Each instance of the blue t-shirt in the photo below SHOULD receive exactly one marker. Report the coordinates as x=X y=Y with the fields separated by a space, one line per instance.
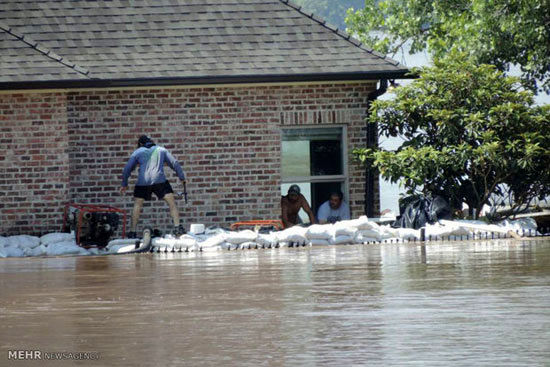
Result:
x=151 y=161
x=326 y=213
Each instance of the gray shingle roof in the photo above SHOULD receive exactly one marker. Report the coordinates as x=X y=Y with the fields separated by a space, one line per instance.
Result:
x=60 y=41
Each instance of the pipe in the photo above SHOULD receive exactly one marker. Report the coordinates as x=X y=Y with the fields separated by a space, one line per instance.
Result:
x=372 y=141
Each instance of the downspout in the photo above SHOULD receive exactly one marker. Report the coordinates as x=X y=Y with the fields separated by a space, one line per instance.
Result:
x=372 y=141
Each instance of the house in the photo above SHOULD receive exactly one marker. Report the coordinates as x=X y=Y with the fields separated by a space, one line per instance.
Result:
x=250 y=96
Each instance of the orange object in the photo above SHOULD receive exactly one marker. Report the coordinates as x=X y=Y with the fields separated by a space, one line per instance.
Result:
x=262 y=223
x=86 y=210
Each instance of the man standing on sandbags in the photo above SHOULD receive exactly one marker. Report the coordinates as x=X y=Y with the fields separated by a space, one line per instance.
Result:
x=291 y=205
x=151 y=179
x=333 y=210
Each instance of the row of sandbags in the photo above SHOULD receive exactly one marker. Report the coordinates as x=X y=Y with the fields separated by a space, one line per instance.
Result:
x=356 y=231
x=51 y=244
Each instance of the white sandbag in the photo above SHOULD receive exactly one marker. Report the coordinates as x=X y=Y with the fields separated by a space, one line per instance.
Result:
x=183 y=241
x=267 y=240
x=387 y=232
x=213 y=241
x=247 y=245
x=226 y=246
x=363 y=223
x=56 y=237
x=344 y=228
x=3 y=252
x=94 y=251
x=241 y=236
x=319 y=231
x=361 y=238
x=293 y=234
x=13 y=251
x=408 y=233
x=521 y=225
x=339 y=240
x=22 y=241
x=37 y=251
x=65 y=248
x=318 y=242
x=370 y=233
x=438 y=231
x=3 y=241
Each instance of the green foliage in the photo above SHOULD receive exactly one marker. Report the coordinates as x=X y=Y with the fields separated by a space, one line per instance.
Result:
x=498 y=32
x=333 y=11
x=470 y=132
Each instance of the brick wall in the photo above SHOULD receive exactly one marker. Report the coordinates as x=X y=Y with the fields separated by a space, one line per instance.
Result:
x=34 y=165
x=227 y=140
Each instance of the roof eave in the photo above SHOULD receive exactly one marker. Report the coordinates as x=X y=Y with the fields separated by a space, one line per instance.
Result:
x=199 y=80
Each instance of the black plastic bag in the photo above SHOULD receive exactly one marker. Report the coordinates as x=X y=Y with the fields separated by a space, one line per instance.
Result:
x=416 y=211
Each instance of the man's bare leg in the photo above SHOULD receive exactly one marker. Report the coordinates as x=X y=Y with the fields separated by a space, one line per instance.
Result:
x=170 y=199
x=136 y=212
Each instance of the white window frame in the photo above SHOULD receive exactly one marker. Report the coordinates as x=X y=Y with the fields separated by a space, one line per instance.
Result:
x=344 y=177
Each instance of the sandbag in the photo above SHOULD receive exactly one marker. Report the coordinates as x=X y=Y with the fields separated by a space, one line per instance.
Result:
x=37 y=251
x=361 y=238
x=247 y=245
x=318 y=242
x=267 y=240
x=370 y=233
x=344 y=228
x=363 y=223
x=241 y=236
x=438 y=231
x=408 y=233
x=387 y=232
x=22 y=241
x=521 y=225
x=3 y=241
x=213 y=241
x=65 y=248
x=319 y=231
x=56 y=237
x=339 y=240
x=293 y=234
x=13 y=251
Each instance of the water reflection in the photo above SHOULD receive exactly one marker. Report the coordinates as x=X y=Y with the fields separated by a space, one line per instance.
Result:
x=482 y=303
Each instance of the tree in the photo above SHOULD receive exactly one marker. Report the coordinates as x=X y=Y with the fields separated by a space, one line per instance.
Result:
x=498 y=32
x=470 y=132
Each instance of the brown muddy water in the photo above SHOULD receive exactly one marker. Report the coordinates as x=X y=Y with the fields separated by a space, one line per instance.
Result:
x=443 y=304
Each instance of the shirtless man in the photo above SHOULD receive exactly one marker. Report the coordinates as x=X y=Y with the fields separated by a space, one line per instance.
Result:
x=291 y=205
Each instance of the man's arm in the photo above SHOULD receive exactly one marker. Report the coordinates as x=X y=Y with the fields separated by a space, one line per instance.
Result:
x=130 y=165
x=174 y=164
x=307 y=209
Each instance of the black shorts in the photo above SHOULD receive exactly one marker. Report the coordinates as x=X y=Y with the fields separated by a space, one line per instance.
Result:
x=161 y=189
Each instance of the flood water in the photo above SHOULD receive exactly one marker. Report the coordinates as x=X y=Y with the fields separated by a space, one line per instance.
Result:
x=443 y=304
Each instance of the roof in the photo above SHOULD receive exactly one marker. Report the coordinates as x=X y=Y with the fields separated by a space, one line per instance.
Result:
x=79 y=43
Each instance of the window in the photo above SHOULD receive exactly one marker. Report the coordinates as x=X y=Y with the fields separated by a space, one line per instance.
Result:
x=313 y=158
